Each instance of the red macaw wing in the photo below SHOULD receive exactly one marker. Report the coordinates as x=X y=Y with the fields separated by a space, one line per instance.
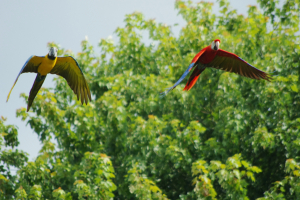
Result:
x=232 y=63
x=31 y=65
x=68 y=68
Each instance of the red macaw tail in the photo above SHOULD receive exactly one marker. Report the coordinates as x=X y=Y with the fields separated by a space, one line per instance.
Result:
x=193 y=78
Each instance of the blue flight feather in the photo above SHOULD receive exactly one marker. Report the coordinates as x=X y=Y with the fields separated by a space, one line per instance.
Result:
x=162 y=94
x=24 y=66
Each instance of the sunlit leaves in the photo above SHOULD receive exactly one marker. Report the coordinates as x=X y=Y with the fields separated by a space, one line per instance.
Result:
x=21 y=193
x=232 y=177
x=59 y=194
x=94 y=177
x=142 y=187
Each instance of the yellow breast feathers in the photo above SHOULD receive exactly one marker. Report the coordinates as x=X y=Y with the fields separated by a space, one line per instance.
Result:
x=47 y=65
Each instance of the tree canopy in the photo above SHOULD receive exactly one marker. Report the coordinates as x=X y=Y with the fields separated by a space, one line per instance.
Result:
x=230 y=137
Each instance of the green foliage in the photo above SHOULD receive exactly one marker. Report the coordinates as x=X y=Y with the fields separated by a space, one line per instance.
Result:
x=141 y=186
x=93 y=177
x=21 y=193
x=231 y=177
x=35 y=192
x=10 y=158
x=230 y=137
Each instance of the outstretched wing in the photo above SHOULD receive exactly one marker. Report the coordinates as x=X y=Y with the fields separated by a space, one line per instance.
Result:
x=193 y=64
x=68 y=68
x=31 y=65
x=232 y=63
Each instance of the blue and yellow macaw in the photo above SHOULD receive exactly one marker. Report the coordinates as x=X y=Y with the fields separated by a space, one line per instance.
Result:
x=67 y=67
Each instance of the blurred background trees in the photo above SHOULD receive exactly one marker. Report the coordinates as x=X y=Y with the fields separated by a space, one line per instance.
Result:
x=230 y=137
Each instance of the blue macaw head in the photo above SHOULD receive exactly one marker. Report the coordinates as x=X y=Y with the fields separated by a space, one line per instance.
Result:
x=53 y=52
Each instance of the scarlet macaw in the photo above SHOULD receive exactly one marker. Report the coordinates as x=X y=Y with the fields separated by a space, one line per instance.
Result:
x=212 y=56
x=67 y=67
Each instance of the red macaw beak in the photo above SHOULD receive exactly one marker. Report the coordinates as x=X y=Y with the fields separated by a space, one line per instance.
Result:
x=216 y=47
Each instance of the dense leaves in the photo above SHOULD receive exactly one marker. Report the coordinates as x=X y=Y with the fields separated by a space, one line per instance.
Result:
x=230 y=137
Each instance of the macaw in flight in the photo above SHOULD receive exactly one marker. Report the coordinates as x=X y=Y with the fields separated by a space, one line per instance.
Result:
x=67 y=67
x=212 y=56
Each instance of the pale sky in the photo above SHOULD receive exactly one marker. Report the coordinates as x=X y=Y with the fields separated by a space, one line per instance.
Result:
x=27 y=26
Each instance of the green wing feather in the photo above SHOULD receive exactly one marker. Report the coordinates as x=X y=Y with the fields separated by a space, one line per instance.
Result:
x=68 y=68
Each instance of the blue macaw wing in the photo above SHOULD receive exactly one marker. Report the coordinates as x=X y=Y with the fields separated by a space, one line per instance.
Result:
x=179 y=80
x=31 y=65
x=68 y=68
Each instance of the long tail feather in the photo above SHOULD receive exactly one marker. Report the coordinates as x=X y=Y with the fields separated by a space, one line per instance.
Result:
x=39 y=80
x=11 y=89
x=193 y=78
x=162 y=94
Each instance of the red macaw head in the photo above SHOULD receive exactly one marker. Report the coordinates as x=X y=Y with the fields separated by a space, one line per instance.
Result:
x=215 y=44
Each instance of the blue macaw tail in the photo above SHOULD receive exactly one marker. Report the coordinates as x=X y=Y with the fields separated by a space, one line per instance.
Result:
x=162 y=94
x=39 y=80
